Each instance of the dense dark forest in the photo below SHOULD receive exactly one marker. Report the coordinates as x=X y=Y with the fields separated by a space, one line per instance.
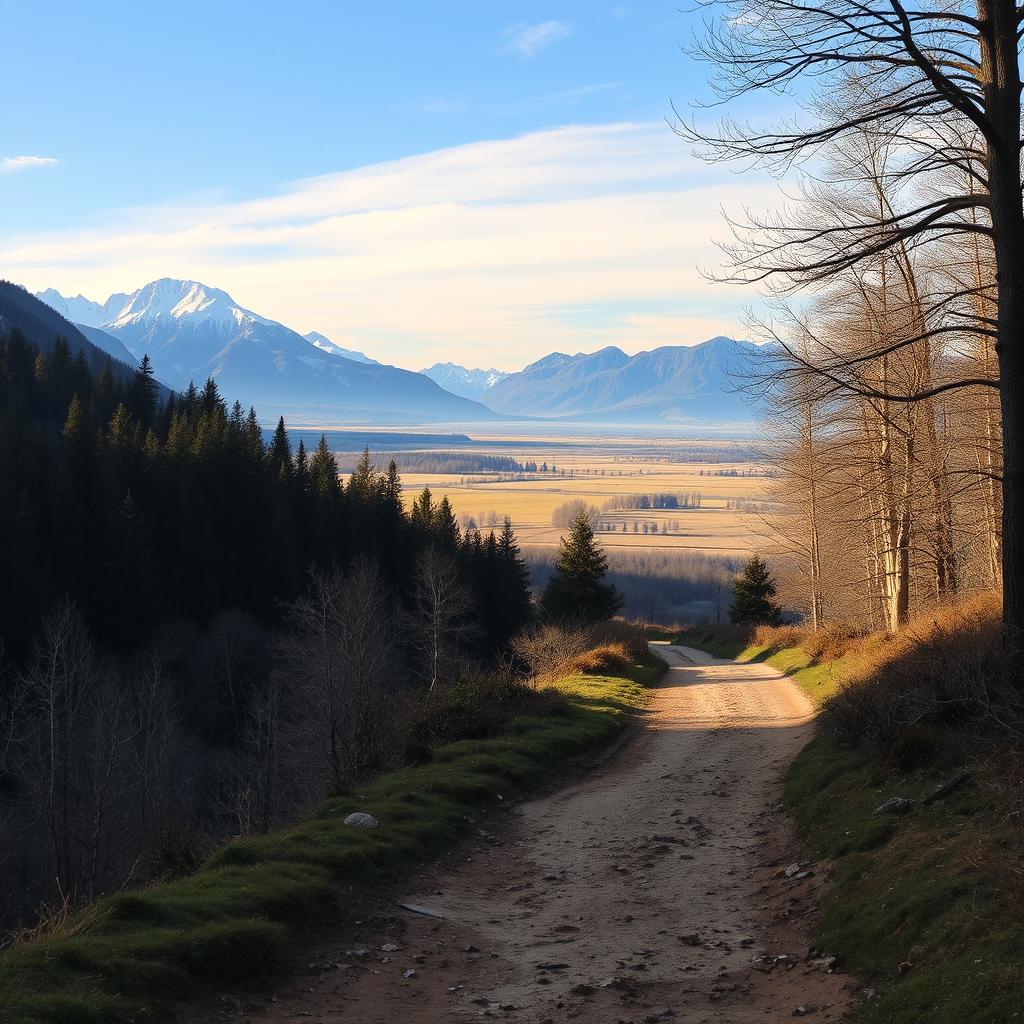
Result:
x=201 y=631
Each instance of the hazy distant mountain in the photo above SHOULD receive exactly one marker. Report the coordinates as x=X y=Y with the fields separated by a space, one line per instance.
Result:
x=42 y=325
x=192 y=331
x=669 y=384
x=326 y=345
x=459 y=380
x=108 y=343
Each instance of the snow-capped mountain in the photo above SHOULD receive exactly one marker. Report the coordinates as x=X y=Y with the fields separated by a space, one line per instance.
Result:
x=192 y=331
x=42 y=325
x=462 y=381
x=80 y=310
x=325 y=344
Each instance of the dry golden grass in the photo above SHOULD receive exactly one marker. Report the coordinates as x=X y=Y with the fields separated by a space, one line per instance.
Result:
x=600 y=660
x=717 y=527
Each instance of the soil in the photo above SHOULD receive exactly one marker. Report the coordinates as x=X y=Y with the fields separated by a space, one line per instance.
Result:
x=665 y=885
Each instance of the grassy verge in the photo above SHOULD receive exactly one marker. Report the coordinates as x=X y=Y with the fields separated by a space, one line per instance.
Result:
x=818 y=677
x=249 y=910
x=927 y=907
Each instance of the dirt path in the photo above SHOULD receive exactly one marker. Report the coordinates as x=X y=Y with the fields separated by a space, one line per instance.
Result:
x=645 y=892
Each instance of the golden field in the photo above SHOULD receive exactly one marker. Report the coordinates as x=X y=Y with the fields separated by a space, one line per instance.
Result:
x=597 y=471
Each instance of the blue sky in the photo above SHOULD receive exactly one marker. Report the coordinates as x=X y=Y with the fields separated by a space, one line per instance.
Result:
x=320 y=160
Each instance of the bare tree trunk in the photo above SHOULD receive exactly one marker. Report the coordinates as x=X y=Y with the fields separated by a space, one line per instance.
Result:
x=1001 y=85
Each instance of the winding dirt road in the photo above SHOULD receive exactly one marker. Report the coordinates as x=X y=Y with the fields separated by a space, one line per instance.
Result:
x=652 y=889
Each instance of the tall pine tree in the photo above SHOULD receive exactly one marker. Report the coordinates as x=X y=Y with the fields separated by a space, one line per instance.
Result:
x=577 y=591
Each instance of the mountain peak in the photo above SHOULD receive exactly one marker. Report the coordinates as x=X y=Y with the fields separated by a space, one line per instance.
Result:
x=322 y=342
x=460 y=380
x=181 y=300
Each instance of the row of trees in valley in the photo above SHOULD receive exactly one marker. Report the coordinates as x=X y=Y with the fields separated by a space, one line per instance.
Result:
x=895 y=385
x=201 y=631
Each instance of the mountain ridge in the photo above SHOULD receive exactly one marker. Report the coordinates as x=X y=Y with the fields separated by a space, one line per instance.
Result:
x=192 y=331
x=460 y=380
x=670 y=383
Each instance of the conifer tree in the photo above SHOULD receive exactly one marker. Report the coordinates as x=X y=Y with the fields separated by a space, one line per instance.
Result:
x=323 y=472
x=516 y=604
x=752 y=593
x=577 y=590
x=301 y=471
x=444 y=527
x=361 y=482
x=392 y=489
x=280 y=454
x=144 y=392
x=423 y=511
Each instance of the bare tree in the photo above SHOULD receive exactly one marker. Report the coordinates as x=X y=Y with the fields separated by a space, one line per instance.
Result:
x=339 y=657
x=442 y=614
x=939 y=81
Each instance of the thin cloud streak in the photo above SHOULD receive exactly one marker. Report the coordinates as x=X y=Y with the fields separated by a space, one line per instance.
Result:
x=529 y=40
x=13 y=164
x=572 y=238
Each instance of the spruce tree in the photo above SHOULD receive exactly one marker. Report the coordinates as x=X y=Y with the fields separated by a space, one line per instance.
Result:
x=361 y=482
x=323 y=472
x=444 y=527
x=423 y=511
x=577 y=591
x=145 y=392
x=280 y=454
x=513 y=604
x=391 y=491
x=752 y=593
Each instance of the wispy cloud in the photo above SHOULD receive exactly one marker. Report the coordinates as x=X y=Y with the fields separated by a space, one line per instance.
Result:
x=568 y=239
x=12 y=164
x=529 y=40
x=581 y=92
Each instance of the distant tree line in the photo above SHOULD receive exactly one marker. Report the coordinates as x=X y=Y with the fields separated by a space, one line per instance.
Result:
x=691 y=499
x=452 y=462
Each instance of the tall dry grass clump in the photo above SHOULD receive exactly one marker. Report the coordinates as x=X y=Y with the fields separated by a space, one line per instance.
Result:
x=827 y=643
x=550 y=651
x=949 y=667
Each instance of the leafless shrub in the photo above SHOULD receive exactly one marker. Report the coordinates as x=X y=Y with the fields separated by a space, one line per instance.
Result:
x=549 y=650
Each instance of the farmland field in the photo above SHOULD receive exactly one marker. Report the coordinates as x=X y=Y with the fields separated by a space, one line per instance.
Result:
x=716 y=484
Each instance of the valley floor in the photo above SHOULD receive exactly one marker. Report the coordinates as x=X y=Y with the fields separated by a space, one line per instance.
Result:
x=650 y=890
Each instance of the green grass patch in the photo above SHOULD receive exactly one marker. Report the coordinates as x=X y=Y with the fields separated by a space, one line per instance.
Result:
x=926 y=908
x=249 y=911
x=720 y=641
x=819 y=680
